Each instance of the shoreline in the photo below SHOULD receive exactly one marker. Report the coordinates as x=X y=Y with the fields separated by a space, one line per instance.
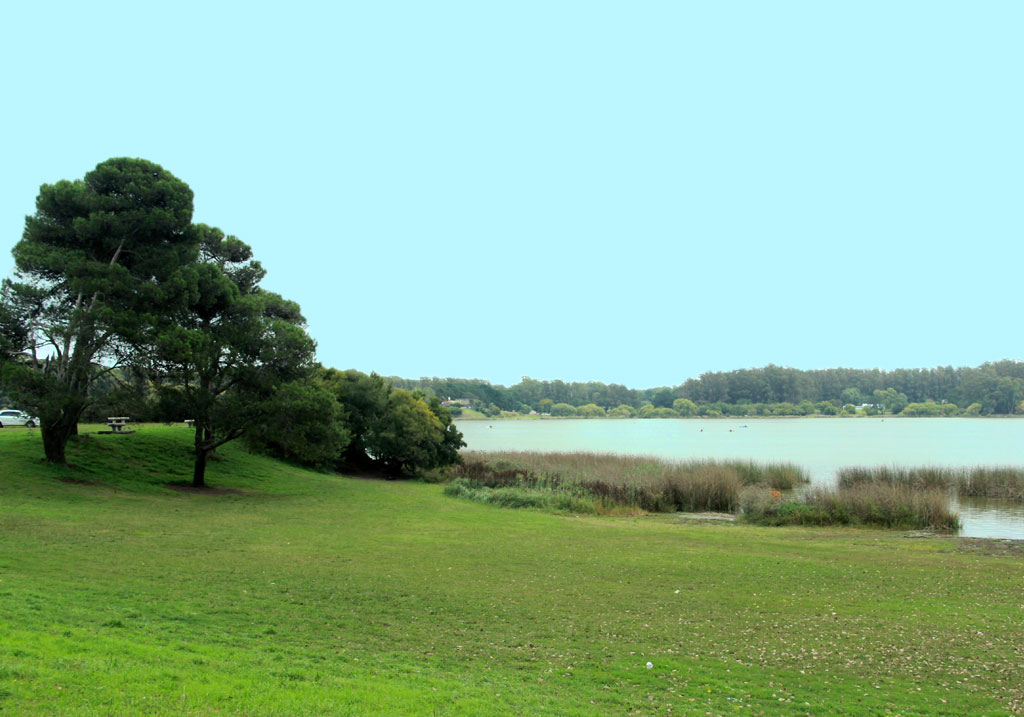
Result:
x=1000 y=416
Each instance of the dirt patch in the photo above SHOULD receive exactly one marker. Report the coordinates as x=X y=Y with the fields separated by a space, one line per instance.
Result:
x=718 y=517
x=207 y=490
x=992 y=546
x=78 y=481
x=981 y=546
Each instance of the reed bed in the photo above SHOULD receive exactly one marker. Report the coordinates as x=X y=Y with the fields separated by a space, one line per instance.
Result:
x=921 y=478
x=1003 y=482
x=886 y=505
x=777 y=475
x=607 y=483
x=882 y=496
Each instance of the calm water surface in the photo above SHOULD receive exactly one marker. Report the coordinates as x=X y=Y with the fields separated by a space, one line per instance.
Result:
x=820 y=445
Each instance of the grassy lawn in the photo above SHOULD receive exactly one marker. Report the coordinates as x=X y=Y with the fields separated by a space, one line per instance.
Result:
x=468 y=414
x=304 y=593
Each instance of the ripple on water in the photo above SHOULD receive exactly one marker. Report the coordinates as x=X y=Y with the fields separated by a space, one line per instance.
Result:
x=989 y=518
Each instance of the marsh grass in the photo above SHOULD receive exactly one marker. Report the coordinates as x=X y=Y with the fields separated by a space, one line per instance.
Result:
x=878 y=504
x=604 y=483
x=777 y=475
x=882 y=496
x=1003 y=482
x=922 y=478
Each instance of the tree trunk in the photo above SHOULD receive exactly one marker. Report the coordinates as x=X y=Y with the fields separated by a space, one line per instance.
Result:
x=199 y=469
x=55 y=439
x=56 y=430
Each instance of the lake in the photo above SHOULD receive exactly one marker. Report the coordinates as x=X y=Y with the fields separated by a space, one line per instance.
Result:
x=821 y=445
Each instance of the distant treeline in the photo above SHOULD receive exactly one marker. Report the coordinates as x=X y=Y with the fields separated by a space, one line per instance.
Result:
x=992 y=388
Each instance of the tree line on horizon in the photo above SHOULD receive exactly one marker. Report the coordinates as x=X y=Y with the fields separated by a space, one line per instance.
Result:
x=121 y=305
x=994 y=388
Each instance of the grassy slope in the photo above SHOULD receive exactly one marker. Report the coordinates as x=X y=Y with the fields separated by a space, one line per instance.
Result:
x=316 y=594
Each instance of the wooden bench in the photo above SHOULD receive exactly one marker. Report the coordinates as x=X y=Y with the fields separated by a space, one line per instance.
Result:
x=190 y=422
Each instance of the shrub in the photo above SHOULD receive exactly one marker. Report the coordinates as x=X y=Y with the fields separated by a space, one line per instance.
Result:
x=521 y=497
x=590 y=410
x=304 y=423
x=563 y=409
x=684 y=407
x=878 y=504
x=930 y=408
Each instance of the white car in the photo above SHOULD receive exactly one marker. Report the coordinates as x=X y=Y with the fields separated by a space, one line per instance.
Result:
x=10 y=417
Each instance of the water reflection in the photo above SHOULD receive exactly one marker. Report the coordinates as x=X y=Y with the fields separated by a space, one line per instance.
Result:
x=989 y=518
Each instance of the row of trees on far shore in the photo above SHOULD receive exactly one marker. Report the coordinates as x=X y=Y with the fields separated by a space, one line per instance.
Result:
x=992 y=388
x=685 y=408
x=121 y=305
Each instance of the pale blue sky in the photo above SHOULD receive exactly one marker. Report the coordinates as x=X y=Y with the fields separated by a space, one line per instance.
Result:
x=627 y=192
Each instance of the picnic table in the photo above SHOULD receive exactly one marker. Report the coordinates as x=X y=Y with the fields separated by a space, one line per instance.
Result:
x=117 y=424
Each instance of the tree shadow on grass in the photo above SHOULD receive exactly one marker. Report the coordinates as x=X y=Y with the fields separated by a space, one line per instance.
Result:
x=78 y=481
x=370 y=473
x=183 y=487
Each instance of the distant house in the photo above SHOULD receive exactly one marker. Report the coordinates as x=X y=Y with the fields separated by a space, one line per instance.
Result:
x=460 y=402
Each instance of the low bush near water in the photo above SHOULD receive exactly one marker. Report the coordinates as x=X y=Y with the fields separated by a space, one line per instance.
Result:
x=887 y=505
x=523 y=497
x=609 y=483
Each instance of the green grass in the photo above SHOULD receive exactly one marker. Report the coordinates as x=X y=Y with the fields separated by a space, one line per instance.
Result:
x=468 y=414
x=306 y=593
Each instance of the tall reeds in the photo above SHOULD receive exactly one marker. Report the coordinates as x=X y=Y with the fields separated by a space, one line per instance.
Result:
x=886 y=505
x=883 y=496
x=1006 y=482
x=611 y=481
x=922 y=478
